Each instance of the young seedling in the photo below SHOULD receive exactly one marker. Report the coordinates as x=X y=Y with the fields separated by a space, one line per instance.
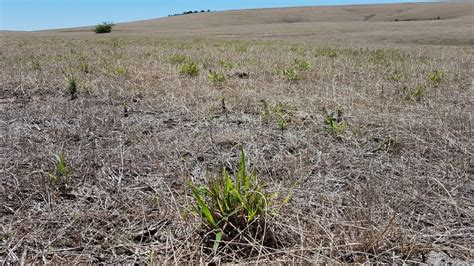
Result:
x=120 y=70
x=84 y=67
x=281 y=123
x=415 y=94
x=436 y=77
x=302 y=64
x=280 y=113
x=335 y=122
x=216 y=78
x=72 y=87
x=290 y=74
x=61 y=170
x=35 y=64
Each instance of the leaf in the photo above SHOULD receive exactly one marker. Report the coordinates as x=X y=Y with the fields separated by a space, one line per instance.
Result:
x=201 y=207
x=243 y=172
x=228 y=180
x=205 y=210
x=251 y=215
x=217 y=241
x=229 y=191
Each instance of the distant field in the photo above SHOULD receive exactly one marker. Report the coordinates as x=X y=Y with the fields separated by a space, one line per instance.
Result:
x=362 y=113
x=359 y=24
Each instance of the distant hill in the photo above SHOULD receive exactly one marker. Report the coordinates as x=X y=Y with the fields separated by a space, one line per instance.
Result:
x=439 y=23
x=346 y=13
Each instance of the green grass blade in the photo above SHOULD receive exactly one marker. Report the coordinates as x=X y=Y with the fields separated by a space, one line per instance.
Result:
x=228 y=191
x=204 y=209
x=217 y=241
x=243 y=171
x=201 y=208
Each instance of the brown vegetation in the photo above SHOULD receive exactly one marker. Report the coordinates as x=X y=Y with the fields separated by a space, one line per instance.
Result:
x=375 y=139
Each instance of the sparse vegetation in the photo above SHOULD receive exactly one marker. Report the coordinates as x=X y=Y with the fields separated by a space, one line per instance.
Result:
x=290 y=74
x=280 y=113
x=178 y=59
x=84 y=67
x=242 y=48
x=436 y=77
x=325 y=51
x=190 y=69
x=35 y=64
x=120 y=70
x=386 y=143
x=226 y=64
x=416 y=94
x=378 y=55
x=380 y=183
x=216 y=78
x=335 y=122
x=395 y=76
x=302 y=65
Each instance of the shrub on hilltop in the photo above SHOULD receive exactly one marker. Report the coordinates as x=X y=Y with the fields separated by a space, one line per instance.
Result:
x=104 y=27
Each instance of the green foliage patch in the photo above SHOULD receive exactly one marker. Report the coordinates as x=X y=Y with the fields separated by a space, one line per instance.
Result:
x=235 y=208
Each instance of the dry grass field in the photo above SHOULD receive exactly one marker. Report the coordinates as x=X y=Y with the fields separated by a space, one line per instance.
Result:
x=366 y=122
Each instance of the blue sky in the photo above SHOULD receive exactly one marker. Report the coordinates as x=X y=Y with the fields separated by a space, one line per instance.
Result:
x=48 y=14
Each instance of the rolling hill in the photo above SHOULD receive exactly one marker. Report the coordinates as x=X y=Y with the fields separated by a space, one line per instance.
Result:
x=425 y=23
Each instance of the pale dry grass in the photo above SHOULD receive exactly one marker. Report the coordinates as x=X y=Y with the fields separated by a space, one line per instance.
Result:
x=393 y=187
x=385 y=24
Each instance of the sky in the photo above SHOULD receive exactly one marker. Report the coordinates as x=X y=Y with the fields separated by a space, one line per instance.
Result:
x=29 y=15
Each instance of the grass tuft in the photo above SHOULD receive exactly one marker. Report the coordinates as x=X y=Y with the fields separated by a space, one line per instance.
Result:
x=72 y=87
x=436 y=77
x=302 y=64
x=280 y=113
x=290 y=74
x=235 y=208
x=120 y=70
x=190 y=69
x=416 y=94
x=61 y=170
x=335 y=122
x=216 y=78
